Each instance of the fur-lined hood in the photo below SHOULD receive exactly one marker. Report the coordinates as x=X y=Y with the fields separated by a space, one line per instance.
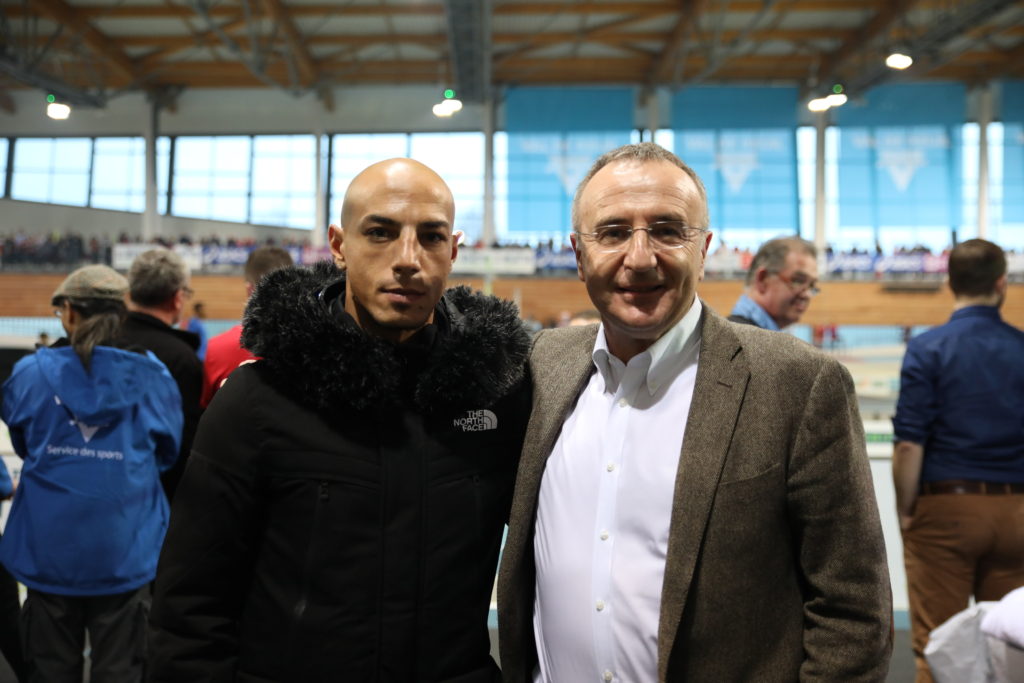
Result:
x=320 y=360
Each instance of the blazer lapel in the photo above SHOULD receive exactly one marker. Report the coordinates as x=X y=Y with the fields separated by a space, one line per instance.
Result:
x=560 y=365
x=721 y=382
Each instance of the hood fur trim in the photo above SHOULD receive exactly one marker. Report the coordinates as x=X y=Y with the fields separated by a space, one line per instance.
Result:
x=327 y=364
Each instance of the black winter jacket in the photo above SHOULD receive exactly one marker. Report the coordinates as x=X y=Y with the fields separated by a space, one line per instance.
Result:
x=177 y=350
x=342 y=511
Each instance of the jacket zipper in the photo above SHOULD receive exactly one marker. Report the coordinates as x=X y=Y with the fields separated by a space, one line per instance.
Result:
x=323 y=498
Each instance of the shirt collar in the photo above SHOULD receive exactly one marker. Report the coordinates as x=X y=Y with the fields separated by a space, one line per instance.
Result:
x=749 y=308
x=977 y=311
x=660 y=361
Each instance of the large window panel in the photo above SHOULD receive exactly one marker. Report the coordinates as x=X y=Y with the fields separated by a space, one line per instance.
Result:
x=459 y=159
x=54 y=170
x=284 y=181
x=119 y=174
x=742 y=142
x=350 y=154
x=163 y=167
x=211 y=177
x=4 y=147
x=554 y=136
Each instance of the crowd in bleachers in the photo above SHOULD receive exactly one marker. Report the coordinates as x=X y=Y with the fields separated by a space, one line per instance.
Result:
x=61 y=252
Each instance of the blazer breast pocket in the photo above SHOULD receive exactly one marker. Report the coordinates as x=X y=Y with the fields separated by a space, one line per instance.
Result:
x=749 y=487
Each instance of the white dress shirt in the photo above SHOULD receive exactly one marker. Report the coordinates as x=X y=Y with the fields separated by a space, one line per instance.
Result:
x=604 y=509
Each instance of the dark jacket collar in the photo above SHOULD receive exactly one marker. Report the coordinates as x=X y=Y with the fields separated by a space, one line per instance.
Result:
x=317 y=356
x=147 y=320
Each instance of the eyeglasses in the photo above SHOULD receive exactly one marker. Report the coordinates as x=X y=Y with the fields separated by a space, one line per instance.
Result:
x=801 y=283
x=188 y=292
x=661 y=234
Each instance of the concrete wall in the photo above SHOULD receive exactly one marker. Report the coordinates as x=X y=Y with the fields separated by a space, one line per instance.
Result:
x=363 y=109
x=36 y=218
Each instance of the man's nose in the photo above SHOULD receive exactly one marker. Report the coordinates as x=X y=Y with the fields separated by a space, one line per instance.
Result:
x=407 y=252
x=640 y=251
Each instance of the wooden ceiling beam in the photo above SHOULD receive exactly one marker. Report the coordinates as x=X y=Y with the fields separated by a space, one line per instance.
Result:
x=303 y=60
x=888 y=13
x=649 y=10
x=535 y=41
x=169 y=48
x=689 y=14
x=1008 y=62
x=99 y=43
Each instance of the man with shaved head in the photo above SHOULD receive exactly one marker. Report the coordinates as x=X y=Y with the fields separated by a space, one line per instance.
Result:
x=342 y=512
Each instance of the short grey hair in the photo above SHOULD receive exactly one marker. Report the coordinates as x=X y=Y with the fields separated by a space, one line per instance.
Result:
x=641 y=152
x=155 y=276
x=772 y=254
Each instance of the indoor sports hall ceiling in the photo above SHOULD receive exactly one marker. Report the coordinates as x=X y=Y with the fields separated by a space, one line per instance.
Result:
x=87 y=51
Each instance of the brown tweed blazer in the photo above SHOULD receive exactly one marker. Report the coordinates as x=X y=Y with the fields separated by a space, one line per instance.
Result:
x=776 y=567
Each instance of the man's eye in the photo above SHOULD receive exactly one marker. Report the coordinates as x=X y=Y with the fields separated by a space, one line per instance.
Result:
x=434 y=238
x=613 y=233
x=377 y=233
x=668 y=233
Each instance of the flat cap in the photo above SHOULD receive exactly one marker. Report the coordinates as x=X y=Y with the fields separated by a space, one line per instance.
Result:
x=92 y=282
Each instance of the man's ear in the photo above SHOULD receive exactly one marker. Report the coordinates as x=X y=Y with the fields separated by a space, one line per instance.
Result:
x=335 y=237
x=704 y=254
x=577 y=249
x=760 y=282
x=456 y=238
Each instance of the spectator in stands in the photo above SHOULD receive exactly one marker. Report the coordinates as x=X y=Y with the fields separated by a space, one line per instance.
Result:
x=781 y=280
x=159 y=290
x=225 y=352
x=342 y=514
x=740 y=543
x=958 y=461
x=94 y=424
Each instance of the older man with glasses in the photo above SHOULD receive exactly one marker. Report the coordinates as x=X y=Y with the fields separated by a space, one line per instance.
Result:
x=694 y=501
x=781 y=281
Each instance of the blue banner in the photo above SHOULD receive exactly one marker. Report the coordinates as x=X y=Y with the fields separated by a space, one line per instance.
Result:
x=742 y=144
x=906 y=176
x=554 y=136
x=899 y=156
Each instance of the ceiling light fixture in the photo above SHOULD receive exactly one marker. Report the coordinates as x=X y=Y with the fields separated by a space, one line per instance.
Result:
x=57 y=110
x=819 y=104
x=899 y=60
x=448 y=106
x=836 y=98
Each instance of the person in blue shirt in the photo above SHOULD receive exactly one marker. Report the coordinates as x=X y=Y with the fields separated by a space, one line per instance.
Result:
x=95 y=425
x=958 y=460
x=781 y=281
x=198 y=327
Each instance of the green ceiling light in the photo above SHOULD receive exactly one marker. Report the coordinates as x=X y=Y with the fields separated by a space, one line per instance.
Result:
x=449 y=93
x=837 y=89
x=51 y=99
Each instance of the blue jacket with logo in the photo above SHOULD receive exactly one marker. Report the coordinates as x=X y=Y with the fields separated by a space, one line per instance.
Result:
x=89 y=514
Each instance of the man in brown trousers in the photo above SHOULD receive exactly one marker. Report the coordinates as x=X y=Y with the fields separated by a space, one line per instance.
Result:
x=694 y=501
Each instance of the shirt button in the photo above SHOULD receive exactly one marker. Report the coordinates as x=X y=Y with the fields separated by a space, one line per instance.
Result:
x=623 y=403
x=608 y=675
x=604 y=535
x=600 y=605
x=611 y=467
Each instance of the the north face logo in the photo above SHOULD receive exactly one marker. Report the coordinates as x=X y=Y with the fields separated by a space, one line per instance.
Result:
x=477 y=421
